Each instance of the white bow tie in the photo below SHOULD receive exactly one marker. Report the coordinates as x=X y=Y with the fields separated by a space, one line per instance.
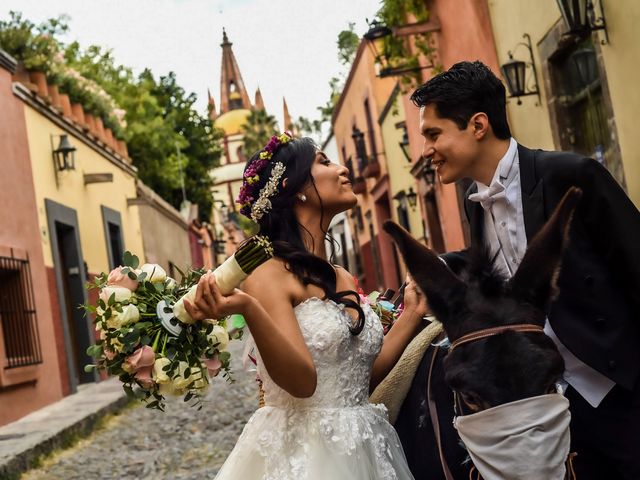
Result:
x=495 y=192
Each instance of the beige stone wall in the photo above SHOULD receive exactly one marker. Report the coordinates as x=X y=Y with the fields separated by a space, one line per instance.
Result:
x=165 y=238
x=530 y=123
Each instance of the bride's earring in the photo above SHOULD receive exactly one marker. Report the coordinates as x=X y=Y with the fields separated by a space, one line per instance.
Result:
x=302 y=197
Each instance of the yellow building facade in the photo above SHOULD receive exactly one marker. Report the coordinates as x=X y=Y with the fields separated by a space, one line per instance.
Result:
x=85 y=224
x=588 y=99
x=402 y=183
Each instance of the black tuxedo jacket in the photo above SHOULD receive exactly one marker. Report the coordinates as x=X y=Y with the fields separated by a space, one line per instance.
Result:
x=597 y=312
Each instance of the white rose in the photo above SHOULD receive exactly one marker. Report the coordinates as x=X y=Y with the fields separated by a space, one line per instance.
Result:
x=155 y=273
x=169 y=390
x=178 y=309
x=130 y=314
x=220 y=336
x=115 y=344
x=159 y=375
x=180 y=382
x=121 y=293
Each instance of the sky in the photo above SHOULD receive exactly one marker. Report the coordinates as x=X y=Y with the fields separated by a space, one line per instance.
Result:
x=286 y=47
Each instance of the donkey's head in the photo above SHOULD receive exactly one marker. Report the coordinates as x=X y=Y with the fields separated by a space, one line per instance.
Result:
x=512 y=365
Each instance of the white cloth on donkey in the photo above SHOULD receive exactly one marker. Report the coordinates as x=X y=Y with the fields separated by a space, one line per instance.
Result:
x=523 y=440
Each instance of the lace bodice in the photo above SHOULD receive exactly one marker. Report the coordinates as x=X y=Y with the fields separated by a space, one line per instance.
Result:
x=343 y=361
x=336 y=433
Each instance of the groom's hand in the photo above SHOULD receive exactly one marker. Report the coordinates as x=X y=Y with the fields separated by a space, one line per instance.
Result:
x=414 y=300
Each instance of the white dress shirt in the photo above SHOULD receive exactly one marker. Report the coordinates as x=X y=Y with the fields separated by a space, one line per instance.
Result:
x=506 y=238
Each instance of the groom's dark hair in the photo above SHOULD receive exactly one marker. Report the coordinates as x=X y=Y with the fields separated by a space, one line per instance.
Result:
x=464 y=90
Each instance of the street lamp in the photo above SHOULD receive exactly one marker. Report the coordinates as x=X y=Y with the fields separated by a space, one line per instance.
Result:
x=514 y=73
x=376 y=35
x=429 y=175
x=404 y=143
x=580 y=18
x=586 y=66
x=405 y=198
x=64 y=157
x=412 y=198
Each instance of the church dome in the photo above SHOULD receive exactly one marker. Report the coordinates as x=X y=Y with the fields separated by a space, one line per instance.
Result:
x=231 y=121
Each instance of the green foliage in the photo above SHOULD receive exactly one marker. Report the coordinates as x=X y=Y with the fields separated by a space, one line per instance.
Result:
x=396 y=50
x=348 y=42
x=166 y=137
x=258 y=129
x=34 y=45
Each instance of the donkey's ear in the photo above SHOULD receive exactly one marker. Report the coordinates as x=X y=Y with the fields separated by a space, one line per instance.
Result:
x=535 y=281
x=441 y=286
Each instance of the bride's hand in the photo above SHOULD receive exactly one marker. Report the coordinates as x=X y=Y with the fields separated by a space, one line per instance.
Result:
x=415 y=302
x=210 y=303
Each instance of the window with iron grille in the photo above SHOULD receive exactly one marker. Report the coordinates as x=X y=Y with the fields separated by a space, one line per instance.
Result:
x=18 y=314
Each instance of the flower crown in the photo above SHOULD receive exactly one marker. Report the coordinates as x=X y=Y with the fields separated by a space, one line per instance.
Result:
x=254 y=203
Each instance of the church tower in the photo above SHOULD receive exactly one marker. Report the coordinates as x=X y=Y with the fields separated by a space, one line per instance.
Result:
x=235 y=105
x=233 y=94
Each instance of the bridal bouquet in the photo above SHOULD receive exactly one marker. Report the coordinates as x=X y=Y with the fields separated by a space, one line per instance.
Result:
x=386 y=310
x=148 y=339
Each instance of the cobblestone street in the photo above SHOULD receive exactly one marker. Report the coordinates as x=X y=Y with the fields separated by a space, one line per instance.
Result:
x=182 y=443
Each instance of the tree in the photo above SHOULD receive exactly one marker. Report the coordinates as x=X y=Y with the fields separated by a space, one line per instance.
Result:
x=258 y=129
x=348 y=42
x=168 y=140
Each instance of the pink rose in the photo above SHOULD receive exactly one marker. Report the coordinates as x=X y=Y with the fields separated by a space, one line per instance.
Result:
x=142 y=357
x=143 y=376
x=213 y=365
x=117 y=278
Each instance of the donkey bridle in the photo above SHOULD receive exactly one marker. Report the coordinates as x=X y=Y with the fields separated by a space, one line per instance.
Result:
x=490 y=332
x=468 y=338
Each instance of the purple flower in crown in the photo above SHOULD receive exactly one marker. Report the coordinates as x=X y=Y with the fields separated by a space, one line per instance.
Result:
x=255 y=202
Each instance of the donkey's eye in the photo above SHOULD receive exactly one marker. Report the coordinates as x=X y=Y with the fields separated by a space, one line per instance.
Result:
x=471 y=401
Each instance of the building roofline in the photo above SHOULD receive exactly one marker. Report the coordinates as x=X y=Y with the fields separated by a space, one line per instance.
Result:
x=35 y=102
x=336 y=110
x=8 y=62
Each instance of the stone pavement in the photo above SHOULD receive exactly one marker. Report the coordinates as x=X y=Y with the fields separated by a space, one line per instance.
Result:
x=139 y=443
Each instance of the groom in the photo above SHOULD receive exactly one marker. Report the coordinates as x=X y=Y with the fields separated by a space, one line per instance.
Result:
x=595 y=320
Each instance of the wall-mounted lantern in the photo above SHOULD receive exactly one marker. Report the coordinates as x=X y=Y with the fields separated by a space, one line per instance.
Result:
x=429 y=174
x=404 y=144
x=580 y=18
x=410 y=197
x=375 y=37
x=515 y=74
x=64 y=157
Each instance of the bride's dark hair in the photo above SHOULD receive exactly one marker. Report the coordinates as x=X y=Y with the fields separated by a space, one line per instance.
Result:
x=281 y=225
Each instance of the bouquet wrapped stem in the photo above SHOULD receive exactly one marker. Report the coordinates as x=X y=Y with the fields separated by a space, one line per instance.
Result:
x=252 y=253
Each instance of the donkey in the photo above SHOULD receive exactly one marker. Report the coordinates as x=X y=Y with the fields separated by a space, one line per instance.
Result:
x=498 y=354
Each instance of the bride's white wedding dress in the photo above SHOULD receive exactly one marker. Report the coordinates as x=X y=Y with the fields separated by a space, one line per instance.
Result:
x=336 y=434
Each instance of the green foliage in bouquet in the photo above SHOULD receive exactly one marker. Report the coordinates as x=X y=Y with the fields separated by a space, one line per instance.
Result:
x=159 y=355
x=385 y=310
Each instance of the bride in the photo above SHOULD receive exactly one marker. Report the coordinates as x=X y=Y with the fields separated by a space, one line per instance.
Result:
x=320 y=349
